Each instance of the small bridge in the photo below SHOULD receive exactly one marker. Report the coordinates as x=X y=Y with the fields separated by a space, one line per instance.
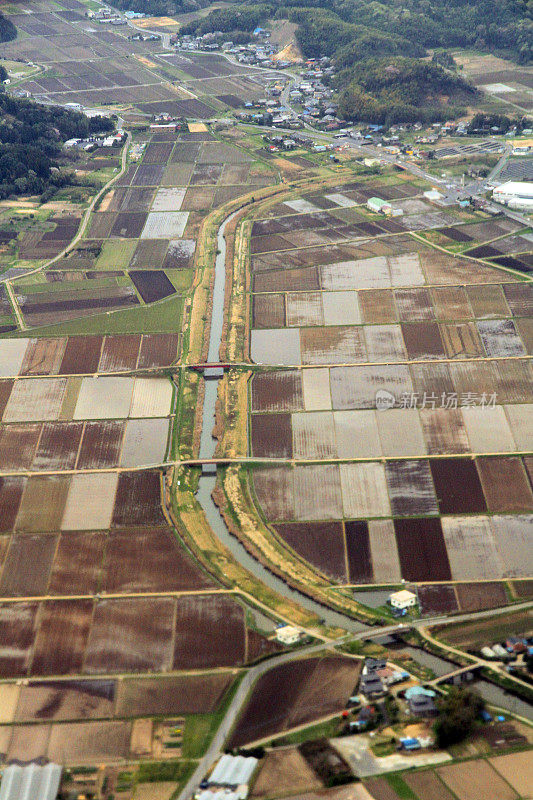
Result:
x=458 y=676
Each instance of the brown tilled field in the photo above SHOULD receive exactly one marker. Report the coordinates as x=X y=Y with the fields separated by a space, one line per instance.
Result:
x=294 y=694
x=183 y=694
x=474 y=780
x=285 y=772
x=210 y=632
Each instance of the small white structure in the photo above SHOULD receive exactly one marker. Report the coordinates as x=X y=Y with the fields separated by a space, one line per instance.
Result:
x=403 y=599
x=288 y=634
x=434 y=196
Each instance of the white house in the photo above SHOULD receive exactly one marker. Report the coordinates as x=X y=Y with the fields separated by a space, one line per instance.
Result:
x=403 y=599
x=288 y=634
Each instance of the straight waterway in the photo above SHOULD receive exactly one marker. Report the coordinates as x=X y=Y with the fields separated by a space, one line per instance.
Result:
x=207 y=449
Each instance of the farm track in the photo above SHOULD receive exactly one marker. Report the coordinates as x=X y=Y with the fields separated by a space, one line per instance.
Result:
x=78 y=236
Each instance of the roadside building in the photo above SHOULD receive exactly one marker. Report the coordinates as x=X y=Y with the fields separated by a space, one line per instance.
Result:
x=516 y=194
x=403 y=599
x=288 y=634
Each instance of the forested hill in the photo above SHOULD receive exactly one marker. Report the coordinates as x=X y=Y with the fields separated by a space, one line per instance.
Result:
x=160 y=7
x=31 y=138
x=351 y=30
x=389 y=90
x=7 y=29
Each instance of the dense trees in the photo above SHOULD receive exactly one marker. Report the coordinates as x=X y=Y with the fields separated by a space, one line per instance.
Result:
x=391 y=90
x=31 y=137
x=458 y=713
x=7 y=30
x=237 y=18
x=160 y=7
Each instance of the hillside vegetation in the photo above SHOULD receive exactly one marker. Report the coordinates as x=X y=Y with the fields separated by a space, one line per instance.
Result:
x=31 y=138
x=7 y=29
x=376 y=47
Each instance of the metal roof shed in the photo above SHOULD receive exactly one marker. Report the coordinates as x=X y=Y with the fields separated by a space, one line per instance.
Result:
x=30 y=782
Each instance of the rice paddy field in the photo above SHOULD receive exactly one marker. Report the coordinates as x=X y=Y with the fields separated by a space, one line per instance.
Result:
x=396 y=380
x=138 y=248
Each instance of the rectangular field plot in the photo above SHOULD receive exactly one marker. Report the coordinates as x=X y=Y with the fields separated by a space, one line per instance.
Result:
x=35 y=400
x=18 y=443
x=278 y=391
x=378 y=306
x=77 y=563
x=515 y=768
x=149 y=559
x=271 y=435
x=273 y=346
x=316 y=391
x=27 y=565
x=274 y=489
x=165 y=225
x=333 y=345
x=458 y=486
x=152 y=397
x=12 y=356
x=62 y=637
x=101 y=445
x=422 y=550
x=410 y=442
x=471 y=548
x=314 y=435
x=364 y=490
x=89 y=742
x=488 y=430
x=145 y=442
x=269 y=311
x=104 y=398
x=131 y=635
x=17 y=632
x=319 y=543
x=384 y=551
x=411 y=488
x=119 y=353
x=304 y=308
x=357 y=434
x=158 y=350
x=317 y=492
x=513 y=536
x=520 y=418
x=47 y=700
x=356 y=387
x=210 y=632
x=181 y=694
x=138 y=499
x=444 y=431
x=384 y=343
x=358 y=552
x=81 y=512
x=500 y=338
x=82 y=355
x=42 y=503
x=341 y=308
x=437 y=600
x=43 y=356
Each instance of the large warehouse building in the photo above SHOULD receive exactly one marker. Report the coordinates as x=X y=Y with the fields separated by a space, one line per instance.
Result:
x=515 y=194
